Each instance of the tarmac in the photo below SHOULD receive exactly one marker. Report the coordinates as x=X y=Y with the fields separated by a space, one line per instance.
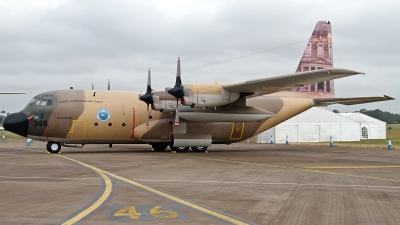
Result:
x=231 y=184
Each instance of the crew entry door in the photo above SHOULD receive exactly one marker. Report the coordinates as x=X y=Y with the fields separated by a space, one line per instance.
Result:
x=237 y=130
x=78 y=129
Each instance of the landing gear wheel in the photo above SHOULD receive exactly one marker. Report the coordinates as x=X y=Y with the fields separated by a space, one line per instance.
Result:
x=159 y=147
x=179 y=149
x=199 y=148
x=53 y=147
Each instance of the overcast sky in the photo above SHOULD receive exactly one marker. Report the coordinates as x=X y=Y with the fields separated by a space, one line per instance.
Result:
x=49 y=45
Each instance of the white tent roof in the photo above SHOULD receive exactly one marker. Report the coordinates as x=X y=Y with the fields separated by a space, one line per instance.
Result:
x=320 y=115
x=362 y=118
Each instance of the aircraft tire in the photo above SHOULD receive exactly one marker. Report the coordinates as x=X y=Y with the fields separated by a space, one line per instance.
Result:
x=53 y=147
x=159 y=147
x=180 y=149
x=199 y=148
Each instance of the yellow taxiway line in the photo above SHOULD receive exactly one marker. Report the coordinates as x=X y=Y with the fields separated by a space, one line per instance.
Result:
x=175 y=199
x=99 y=201
x=144 y=187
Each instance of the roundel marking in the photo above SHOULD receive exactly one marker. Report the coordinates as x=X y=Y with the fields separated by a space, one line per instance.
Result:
x=103 y=115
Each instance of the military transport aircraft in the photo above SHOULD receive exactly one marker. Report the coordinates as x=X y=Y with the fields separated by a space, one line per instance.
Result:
x=187 y=115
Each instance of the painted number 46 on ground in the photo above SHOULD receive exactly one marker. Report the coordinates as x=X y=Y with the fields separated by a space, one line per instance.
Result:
x=144 y=212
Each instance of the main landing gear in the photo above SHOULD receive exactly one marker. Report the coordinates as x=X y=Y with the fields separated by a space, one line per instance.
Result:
x=199 y=148
x=159 y=147
x=53 y=147
x=162 y=147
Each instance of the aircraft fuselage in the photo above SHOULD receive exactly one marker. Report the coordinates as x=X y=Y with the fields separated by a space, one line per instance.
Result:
x=88 y=117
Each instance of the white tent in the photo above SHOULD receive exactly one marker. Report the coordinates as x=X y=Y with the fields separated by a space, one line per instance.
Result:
x=370 y=128
x=314 y=125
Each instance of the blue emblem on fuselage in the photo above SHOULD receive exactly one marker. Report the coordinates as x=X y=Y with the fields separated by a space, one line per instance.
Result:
x=103 y=115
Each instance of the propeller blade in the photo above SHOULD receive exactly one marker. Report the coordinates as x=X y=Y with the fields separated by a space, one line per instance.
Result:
x=148 y=96
x=148 y=90
x=176 y=117
x=178 y=81
x=147 y=117
x=177 y=90
x=109 y=88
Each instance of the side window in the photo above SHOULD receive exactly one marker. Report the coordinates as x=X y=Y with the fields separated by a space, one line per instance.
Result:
x=39 y=114
x=364 y=133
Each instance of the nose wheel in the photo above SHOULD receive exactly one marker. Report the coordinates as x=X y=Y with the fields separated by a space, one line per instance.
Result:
x=53 y=147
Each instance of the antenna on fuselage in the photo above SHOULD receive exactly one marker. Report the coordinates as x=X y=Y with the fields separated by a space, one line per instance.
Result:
x=92 y=86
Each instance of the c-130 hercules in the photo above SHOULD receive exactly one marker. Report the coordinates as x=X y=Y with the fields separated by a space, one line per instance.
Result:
x=188 y=115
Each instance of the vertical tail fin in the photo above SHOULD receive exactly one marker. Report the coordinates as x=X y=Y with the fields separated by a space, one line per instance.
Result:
x=318 y=55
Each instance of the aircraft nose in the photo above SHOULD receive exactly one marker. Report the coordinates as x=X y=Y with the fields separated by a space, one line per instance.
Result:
x=17 y=123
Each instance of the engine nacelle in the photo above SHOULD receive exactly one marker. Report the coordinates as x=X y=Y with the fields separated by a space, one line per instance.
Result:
x=196 y=96
x=208 y=95
x=164 y=106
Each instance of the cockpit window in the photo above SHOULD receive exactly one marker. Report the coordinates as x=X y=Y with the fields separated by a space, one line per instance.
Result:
x=38 y=100
x=39 y=114
x=32 y=101
x=44 y=100
x=49 y=100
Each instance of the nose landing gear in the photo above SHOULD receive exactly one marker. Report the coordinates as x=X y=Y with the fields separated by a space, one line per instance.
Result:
x=53 y=147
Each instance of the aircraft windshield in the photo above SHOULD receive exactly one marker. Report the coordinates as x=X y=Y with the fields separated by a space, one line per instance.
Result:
x=43 y=100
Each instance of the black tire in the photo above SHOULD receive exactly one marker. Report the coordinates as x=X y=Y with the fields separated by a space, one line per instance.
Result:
x=180 y=149
x=53 y=147
x=159 y=147
x=199 y=148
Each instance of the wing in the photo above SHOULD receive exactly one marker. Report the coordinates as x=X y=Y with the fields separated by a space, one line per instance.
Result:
x=12 y=93
x=286 y=82
x=350 y=101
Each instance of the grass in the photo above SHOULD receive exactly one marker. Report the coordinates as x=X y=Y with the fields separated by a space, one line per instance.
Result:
x=11 y=136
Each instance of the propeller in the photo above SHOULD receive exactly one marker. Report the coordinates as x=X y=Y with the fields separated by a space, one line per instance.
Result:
x=148 y=98
x=178 y=90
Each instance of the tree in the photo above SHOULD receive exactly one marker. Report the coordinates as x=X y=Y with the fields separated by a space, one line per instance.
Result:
x=380 y=115
x=336 y=111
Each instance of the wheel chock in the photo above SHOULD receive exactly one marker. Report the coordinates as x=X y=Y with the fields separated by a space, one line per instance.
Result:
x=59 y=152
x=173 y=152
x=206 y=152
x=48 y=152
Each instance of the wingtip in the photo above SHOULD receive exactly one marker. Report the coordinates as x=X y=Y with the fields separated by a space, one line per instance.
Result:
x=388 y=97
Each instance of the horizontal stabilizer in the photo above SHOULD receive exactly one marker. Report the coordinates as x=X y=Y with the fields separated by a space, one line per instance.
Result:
x=350 y=101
